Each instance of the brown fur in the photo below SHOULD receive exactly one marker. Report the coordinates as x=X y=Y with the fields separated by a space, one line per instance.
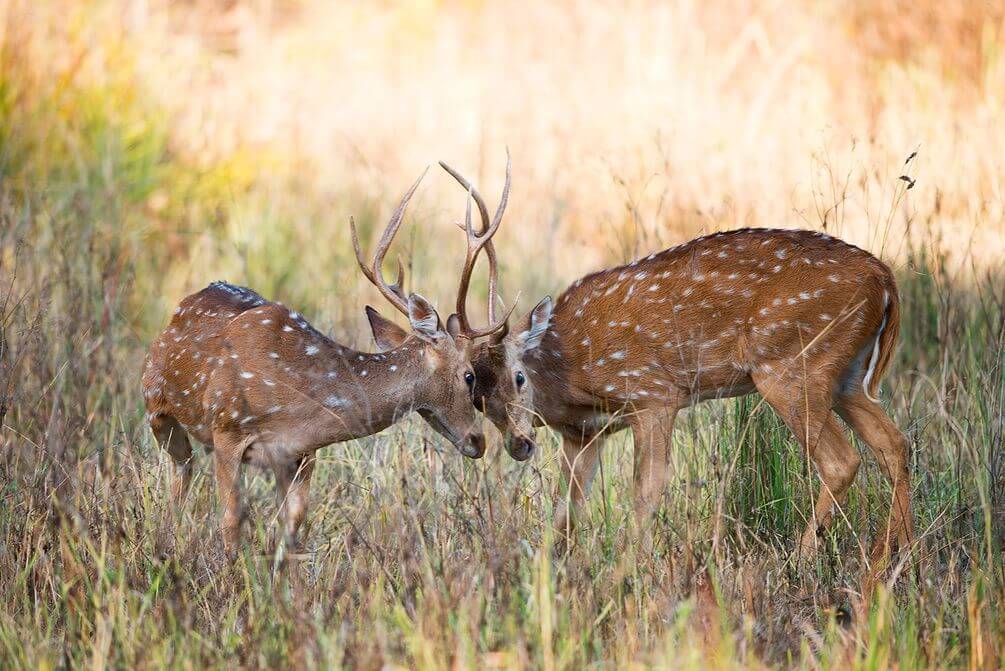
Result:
x=794 y=315
x=255 y=381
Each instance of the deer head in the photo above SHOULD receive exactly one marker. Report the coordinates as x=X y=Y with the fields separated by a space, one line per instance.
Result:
x=445 y=405
x=501 y=390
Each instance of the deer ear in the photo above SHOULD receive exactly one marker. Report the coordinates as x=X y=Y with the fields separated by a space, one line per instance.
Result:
x=454 y=326
x=425 y=321
x=386 y=333
x=535 y=325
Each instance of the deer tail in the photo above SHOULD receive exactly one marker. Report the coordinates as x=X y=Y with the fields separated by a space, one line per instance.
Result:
x=886 y=342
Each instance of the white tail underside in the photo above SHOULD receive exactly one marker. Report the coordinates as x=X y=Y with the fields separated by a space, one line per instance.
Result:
x=875 y=352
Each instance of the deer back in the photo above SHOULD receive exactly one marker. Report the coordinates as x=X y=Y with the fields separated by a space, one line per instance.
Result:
x=182 y=359
x=699 y=319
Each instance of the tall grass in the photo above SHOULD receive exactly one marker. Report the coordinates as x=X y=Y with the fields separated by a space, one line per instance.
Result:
x=130 y=176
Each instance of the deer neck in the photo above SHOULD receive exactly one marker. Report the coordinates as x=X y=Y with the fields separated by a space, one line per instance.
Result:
x=548 y=371
x=363 y=393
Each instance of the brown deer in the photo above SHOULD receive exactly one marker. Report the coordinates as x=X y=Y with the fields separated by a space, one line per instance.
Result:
x=253 y=381
x=805 y=319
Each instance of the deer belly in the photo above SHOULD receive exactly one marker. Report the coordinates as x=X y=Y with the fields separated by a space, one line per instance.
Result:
x=725 y=390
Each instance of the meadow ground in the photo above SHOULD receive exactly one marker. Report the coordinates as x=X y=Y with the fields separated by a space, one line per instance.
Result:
x=146 y=149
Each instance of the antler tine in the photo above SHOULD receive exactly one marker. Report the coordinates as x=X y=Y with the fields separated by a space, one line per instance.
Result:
x=473 y=192
x=399 y=283
x=359 y=252
x=462 y=287
x=476 y=241
x=394 y=293
x=488 y=228
x=361 y=261
x=490 y=251
x=504 y=198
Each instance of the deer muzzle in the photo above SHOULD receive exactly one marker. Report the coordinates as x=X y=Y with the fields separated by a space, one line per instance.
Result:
x=473 y=445
x=520 y=447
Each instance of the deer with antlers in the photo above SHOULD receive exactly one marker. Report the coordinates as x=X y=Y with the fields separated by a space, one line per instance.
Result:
x=253 y=381
x=808 y=321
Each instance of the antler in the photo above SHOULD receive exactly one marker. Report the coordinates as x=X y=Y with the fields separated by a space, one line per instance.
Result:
x=393 y=292
x=476 y=241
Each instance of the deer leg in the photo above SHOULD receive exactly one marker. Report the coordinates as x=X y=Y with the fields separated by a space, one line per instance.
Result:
x=652 y=430
x=173 y=438
x=807 y=413
x=293 y=484
x=227 y=458
x=578 y=461
x=891 y=449
x=837 y=463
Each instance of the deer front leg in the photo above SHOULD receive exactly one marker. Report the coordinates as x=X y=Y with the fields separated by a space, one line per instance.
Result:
x=227 y=457
x=578 y=461
x=652 y=430
x=173 y=438
x=293 y=484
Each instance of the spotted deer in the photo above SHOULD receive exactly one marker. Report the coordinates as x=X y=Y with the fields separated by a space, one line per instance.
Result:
x=808 y=321
x=255 y=383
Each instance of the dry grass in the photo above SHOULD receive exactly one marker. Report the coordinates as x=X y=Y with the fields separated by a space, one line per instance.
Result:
x=147 y=148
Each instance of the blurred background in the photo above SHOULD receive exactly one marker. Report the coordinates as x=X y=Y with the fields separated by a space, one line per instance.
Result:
x=174 y=143
x=149 y=147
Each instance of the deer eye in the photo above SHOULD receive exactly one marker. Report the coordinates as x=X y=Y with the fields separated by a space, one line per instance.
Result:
x=469 y=378
x=520 y=379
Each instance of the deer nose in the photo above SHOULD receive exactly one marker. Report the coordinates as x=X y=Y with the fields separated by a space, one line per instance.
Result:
x=473 y=446
x=521 y=447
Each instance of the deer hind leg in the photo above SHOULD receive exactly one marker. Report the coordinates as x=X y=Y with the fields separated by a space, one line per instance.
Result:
x=174 y=439
x=891 y=449
x=652 y=430
x=578 y=461
x=293 y=484
x=807 y=413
